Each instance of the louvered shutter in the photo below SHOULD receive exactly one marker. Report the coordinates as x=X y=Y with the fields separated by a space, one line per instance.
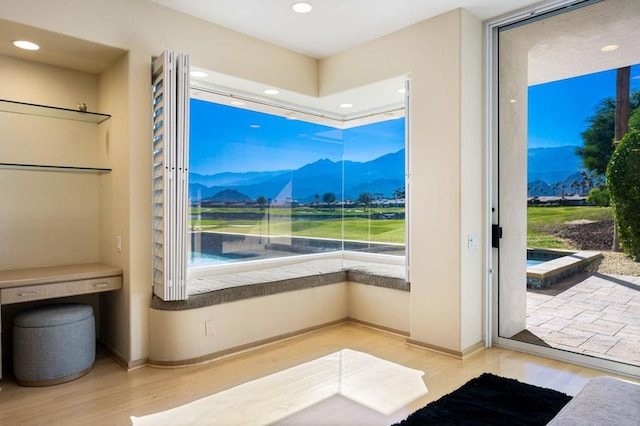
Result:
x=170 y=147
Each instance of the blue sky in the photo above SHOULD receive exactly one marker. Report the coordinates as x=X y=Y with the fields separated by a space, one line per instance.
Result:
x=558 y=111
x=228 y=139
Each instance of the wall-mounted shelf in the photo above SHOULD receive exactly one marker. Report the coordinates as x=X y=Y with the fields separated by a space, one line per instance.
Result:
x=51 y=111
x=47 y=168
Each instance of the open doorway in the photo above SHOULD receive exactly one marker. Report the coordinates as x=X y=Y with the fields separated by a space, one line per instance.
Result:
x=550 y=69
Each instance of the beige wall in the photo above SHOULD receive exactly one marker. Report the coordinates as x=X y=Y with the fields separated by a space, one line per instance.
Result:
x=116 y=214
x=472 y=206
x=378 y=306
x=47 y=218
x=193 y=333
x=442 y=55
x=189 y=335
x=145 y=29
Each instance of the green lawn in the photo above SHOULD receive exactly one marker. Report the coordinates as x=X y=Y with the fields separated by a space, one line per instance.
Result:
x=355 y=228
x=543 y=222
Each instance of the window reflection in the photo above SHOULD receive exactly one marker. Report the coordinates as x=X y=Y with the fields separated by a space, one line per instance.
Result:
x=264 y=186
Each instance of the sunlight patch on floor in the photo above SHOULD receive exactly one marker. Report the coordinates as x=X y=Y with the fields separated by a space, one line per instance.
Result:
x=375 y=383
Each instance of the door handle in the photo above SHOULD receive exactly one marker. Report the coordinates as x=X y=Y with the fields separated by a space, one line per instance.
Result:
x=496 y=234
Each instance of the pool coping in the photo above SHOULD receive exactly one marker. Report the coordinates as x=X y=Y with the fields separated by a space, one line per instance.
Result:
x=547 y=273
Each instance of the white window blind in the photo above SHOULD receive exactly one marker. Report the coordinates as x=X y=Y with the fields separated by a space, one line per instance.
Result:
x=170 y=150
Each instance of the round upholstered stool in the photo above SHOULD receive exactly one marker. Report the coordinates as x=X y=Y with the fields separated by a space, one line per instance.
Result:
x=53 y=344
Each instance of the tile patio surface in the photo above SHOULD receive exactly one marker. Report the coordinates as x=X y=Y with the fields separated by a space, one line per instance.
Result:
x=594 y=314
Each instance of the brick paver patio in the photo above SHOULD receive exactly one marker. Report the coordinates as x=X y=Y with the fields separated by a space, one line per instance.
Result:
x=595 y=314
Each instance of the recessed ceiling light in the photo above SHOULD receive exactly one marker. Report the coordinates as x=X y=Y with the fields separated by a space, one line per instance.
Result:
x=254 y=126
x=198 y=74
x=513 y=101
x=609 y=48
x=271 y=91
x=346 y=105
x=301 y=7
x=27 y=45
x=237 y=103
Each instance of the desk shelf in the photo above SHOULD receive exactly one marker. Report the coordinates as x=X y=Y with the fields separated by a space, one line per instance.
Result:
x=33 y=284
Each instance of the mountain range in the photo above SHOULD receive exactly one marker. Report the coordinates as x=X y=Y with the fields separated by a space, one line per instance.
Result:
x=553 y=164
x=551 y=169
x=382 y=175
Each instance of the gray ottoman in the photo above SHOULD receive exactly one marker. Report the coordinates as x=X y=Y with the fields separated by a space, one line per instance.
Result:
x=53 y=344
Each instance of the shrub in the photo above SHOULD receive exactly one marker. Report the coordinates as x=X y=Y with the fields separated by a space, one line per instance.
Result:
x=623 y=183
x=598 y=197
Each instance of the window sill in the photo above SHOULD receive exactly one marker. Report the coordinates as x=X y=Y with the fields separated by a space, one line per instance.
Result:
x=225 y=288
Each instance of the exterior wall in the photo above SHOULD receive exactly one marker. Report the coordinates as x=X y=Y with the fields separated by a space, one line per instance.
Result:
x=444 y=130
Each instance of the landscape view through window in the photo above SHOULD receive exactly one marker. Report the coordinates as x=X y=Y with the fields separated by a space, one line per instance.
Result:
x=265 y=186
x=583 y=216
x=570 y=140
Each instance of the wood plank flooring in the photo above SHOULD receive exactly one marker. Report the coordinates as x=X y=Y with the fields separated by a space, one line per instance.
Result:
x=108 y=395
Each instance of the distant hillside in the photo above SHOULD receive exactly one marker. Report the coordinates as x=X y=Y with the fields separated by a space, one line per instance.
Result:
x=381 y=175
x=539 y=187
x=231 y=178
x=229 y=195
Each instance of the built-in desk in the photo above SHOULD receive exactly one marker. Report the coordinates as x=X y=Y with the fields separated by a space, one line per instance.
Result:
x=26 y=285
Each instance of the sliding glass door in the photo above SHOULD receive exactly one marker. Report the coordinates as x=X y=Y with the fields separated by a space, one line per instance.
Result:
x=554 y=88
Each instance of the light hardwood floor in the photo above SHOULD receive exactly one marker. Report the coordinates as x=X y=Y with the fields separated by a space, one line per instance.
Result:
x=108 y=395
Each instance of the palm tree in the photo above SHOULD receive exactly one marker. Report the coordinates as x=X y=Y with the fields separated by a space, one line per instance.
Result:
x=621 y=125
x=574 y=185
x=399 y=193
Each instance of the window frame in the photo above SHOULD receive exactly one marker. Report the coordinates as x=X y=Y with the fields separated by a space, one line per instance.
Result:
x=216 y=95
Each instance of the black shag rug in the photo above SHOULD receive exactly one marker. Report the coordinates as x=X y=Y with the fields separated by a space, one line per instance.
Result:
x=491 y=400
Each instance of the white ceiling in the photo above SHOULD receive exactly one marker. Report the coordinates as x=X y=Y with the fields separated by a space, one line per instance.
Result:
x=333 y=25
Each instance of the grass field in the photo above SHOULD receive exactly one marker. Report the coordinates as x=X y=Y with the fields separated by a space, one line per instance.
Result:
x=355 y=228
x=543 y=222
